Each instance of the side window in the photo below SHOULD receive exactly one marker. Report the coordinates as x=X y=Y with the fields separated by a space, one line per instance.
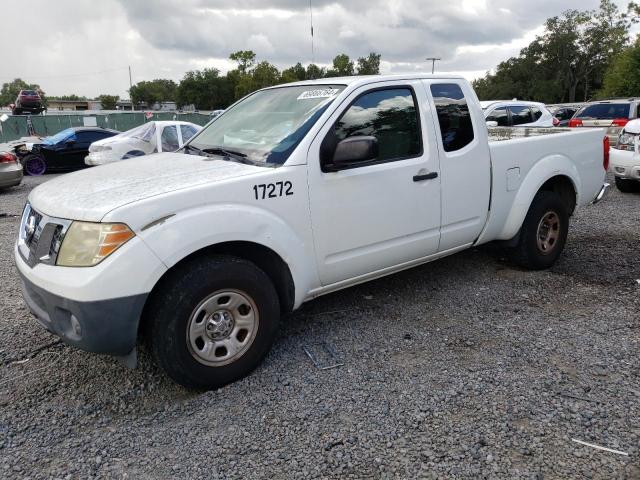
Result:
x=453 y=116
x=520 y=115
x=89 y=137
x=391 y=116
x=187 y=132
x=169 y=139
x=536 y=113
x=499 y=115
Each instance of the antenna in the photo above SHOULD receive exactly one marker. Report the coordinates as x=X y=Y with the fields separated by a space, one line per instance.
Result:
x=433 y=63
x=313 y=59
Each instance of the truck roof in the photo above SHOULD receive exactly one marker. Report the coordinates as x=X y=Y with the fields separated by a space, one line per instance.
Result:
x=365 y=79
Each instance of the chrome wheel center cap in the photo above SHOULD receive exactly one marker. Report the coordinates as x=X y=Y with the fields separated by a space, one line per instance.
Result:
x=219 y=325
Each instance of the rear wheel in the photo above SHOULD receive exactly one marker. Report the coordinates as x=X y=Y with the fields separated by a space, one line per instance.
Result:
x=213 y=321
x=626 y=185
x=34 y=165
x=543 y=233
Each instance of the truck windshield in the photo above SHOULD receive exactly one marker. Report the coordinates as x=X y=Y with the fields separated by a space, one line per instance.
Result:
x=266 y=127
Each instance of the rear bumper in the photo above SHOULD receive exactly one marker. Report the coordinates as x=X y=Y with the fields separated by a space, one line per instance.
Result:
x=104 y=326
x=600 y=194
x=10 y=175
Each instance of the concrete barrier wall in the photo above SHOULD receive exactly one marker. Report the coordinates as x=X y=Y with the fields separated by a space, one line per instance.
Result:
x=44 y=125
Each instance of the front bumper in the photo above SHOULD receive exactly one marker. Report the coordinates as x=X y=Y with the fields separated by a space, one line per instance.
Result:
x=103 y=326
x=625 y=164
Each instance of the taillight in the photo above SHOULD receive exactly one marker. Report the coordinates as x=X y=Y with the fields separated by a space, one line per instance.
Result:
x=6 y=157
x=620 y=122
x=556 y=122
x=575 y=122
x=605 y=153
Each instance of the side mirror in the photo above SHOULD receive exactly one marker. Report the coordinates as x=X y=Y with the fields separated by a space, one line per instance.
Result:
x=68 y=143
x=352 y=151
x=492 y=123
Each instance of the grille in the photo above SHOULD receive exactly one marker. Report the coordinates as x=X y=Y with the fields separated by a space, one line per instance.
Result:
x=40 y=237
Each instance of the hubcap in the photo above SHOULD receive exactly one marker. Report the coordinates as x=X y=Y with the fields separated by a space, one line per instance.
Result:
x=548 y=232
x=222 y=327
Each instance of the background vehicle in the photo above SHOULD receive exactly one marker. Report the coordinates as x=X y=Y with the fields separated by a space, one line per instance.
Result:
x=152 y=137
x=10 y=170
x=215 y=113
x=63 y=152
x=625 y=158
x=296 y=191
x=611 y=115
x=27 y=101
x=517 y=114
x=563 y=113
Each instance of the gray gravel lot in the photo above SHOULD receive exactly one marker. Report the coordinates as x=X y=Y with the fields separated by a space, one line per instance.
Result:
x=463 y=368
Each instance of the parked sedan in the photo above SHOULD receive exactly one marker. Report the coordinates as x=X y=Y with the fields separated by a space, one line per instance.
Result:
x=152 y=137
x=62 y=152
x=516 y=113
x=10 y=170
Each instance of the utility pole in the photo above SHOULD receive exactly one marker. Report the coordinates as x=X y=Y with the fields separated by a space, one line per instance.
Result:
x=313 y=59
x=130 y=83
x=433 y=63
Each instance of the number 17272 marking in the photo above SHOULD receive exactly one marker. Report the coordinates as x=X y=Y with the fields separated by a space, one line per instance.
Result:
x=273 y=190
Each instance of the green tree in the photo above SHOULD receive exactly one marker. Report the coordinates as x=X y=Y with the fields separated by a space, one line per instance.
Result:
x=342 y=66
x=314 y=71
x=73 y=97
x=246 y=60
x=150 y=92
x=293 y=74
x=622 y=79
x=369 y=65
x=10 y=90
x=265 y=75
x=205 y=89
x=108 y=102
x=568 y=61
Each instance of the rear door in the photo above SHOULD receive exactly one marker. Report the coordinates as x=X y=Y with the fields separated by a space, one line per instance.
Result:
x=520 y=115
x=465 y=163
x=382 y=213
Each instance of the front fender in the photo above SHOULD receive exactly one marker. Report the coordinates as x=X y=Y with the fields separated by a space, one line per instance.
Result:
x=541 y=172
x=189 y=231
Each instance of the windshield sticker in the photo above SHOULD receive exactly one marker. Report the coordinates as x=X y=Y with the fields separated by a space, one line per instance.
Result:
x=318 y=93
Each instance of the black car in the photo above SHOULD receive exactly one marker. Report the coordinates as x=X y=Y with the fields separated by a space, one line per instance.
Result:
x=63 y=152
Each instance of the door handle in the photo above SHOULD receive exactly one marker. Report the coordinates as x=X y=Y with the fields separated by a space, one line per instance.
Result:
x=426 y=176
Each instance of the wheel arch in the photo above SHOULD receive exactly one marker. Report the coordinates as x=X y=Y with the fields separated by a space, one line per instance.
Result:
x=263 y=257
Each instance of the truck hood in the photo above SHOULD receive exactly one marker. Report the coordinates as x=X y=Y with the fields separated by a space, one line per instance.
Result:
x=92 y=193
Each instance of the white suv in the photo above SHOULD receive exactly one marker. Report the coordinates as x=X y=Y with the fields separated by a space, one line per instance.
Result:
x=625 y=159
x=515 y=113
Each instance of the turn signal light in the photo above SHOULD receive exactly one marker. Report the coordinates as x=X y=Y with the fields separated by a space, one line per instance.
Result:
x=605 y=153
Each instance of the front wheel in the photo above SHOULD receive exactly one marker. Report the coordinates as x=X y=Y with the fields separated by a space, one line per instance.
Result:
x=34 y=165
x=212 y=321
x=626 y=185
x=543 y=233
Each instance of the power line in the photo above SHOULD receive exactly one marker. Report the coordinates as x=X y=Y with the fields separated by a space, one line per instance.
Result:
x=67 y=75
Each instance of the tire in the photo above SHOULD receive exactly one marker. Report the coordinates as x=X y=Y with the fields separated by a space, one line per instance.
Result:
x=34 y=165
x=626 y=185
x=543 y=233
x=185 y=339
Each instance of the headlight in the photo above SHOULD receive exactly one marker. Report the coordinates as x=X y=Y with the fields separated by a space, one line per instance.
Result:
x=626 y=142
x=86 y=244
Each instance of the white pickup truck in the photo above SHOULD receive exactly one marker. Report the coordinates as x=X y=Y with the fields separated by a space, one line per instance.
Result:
x=293 y=192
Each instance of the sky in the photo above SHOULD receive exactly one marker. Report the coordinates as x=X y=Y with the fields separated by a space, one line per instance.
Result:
x=86 y=46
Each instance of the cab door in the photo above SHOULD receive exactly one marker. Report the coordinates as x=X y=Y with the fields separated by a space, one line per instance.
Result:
x=465 y=161
x=384 y=212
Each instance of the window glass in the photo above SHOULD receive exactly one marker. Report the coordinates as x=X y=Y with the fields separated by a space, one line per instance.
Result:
x=188 y=131
x=536 y=113
x=64 y=135
x=453 y=116
x=169 y=139
x=391 y=116
x=499 y=115
x=604 y=111
x=90 y=137
x=520 y=115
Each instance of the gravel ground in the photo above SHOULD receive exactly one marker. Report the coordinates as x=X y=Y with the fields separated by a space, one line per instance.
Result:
x=463 y=368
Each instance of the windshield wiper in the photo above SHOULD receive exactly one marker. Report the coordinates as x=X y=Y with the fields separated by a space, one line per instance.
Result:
x=230 y=154
x=186 y=148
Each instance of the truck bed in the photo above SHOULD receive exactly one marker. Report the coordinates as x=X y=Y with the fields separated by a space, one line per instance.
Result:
x=500 y=134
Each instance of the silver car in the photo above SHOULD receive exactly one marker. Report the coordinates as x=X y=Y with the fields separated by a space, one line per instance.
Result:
x=611 y=115
x=10 y=170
